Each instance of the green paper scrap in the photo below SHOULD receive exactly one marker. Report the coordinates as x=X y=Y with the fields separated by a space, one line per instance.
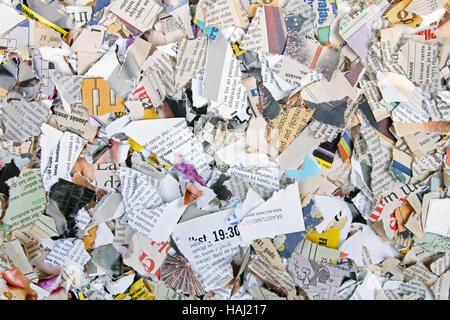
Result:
x=324 y=34
x=434 y=242
x=27 y=201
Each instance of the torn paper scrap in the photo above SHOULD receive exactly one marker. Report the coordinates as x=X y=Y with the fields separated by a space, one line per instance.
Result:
x=438 y=220
x=281 y=214
x=27 y=200
x=170 y=136
x=209 y=233
x=23 y=119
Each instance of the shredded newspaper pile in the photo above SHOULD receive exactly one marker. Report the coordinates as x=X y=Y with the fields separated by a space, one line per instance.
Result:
x=224 y=149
